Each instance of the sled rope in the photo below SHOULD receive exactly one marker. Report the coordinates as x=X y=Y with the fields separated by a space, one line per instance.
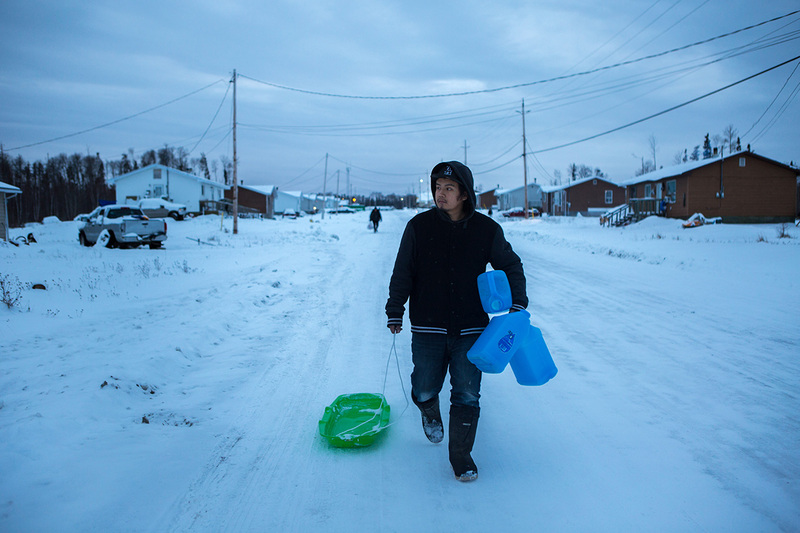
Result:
x=392 y=351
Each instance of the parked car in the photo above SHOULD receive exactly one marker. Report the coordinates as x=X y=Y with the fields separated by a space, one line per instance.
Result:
x=342 y=209
x=290 y=213
x=160 y=208
x=518 y=212
x=122 y=225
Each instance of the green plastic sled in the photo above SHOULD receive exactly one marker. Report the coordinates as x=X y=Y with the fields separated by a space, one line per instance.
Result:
x=354 y=420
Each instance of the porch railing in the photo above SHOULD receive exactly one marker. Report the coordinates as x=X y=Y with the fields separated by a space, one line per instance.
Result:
x=635 y=210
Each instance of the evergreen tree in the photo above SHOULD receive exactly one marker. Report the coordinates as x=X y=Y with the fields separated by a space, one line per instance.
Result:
x=166 y=156
x=149 y=158
x=203 y=164
x=125 y=165
x=707 y=148
x=572 y=172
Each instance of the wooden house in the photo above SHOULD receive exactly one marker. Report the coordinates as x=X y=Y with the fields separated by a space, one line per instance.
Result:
x=741 y=187
x=487 y=199
x=255 y=199
x=591 y=196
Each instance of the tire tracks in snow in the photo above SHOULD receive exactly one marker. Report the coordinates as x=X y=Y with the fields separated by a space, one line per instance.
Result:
x=263 y=472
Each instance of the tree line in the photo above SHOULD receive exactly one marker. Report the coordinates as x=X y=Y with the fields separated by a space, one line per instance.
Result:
x=174 y=157
x=68 y=185
x=63 y=186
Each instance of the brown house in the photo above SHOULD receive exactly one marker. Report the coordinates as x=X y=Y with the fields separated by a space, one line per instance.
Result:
x=587 y=196
x=741 y=187
x=487 y=200
x=255 y=199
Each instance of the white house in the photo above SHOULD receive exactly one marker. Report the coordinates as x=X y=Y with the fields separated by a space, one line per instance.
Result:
x=160 y=181
x=312 y=203
x=288 y=200
x=510 y=198
x=6 y=192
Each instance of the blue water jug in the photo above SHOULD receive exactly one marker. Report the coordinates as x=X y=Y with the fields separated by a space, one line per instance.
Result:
x=532 y=363
x=495 y=292
x=500 y=341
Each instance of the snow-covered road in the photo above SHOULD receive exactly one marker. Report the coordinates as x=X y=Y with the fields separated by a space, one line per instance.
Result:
x=675 y=407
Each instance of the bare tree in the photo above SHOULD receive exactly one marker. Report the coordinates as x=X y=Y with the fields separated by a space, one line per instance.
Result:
x=730 y=136
x=653 y=145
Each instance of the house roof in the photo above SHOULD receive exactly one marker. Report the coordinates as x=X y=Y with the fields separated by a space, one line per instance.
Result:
x=562 y=186
x=683 y=168
x=173 y=171
x=498 y=192
x=5 y=187
x=263 y=189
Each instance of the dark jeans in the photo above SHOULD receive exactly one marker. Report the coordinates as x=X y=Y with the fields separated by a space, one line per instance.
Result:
x=433 y=354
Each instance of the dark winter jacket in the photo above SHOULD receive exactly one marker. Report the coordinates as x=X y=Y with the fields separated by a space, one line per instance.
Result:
x=439 y=261
x=375 y=215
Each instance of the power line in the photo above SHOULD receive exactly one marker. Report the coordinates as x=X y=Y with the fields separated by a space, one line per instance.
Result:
x=403 y=175
x=773 y=101
x=519 y=85
x=213 y=119
x=673 y=108
x=116 y=121
x=778 y=113
x=403 y=123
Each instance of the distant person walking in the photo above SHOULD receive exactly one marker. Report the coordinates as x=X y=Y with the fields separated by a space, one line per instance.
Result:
x=375 y=218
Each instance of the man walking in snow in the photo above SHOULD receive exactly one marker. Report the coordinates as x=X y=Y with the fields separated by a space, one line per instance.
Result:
x=375 y=218
x=442 y=252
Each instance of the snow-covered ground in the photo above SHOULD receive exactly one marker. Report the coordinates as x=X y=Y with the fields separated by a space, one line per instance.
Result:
x=180 y=389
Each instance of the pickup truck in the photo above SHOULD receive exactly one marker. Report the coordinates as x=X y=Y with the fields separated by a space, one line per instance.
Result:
x=160 y=208
x=125 y=226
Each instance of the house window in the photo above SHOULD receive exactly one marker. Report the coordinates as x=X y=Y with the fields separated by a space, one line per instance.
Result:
x=609 y=196
x=648 y=190
x=671 y=190
x=742 y=161
x=156 y=173
x=594 y=182
x=203 y=190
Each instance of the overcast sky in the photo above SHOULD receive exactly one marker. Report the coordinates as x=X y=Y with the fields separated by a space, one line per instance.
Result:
x=313 y=77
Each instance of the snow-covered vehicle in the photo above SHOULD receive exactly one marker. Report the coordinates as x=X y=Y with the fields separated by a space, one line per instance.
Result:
x=518 y=212
x=699 y=220
x=122 y=225
x=160 y=208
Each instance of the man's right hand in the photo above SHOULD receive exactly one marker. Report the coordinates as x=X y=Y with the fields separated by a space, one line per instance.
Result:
x=394 y=328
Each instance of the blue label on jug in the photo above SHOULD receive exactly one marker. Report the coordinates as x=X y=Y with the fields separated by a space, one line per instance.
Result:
x=506 y=342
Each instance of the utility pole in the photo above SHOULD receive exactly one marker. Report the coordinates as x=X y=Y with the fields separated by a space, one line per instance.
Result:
x=465 y=151
x=349 y=194
x=235 y=177
x=524 y=161
x=324 y=186
x=337 y=188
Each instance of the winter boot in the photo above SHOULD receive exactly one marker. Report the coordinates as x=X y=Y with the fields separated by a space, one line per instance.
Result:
x=431 y=419
x=463 y=424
